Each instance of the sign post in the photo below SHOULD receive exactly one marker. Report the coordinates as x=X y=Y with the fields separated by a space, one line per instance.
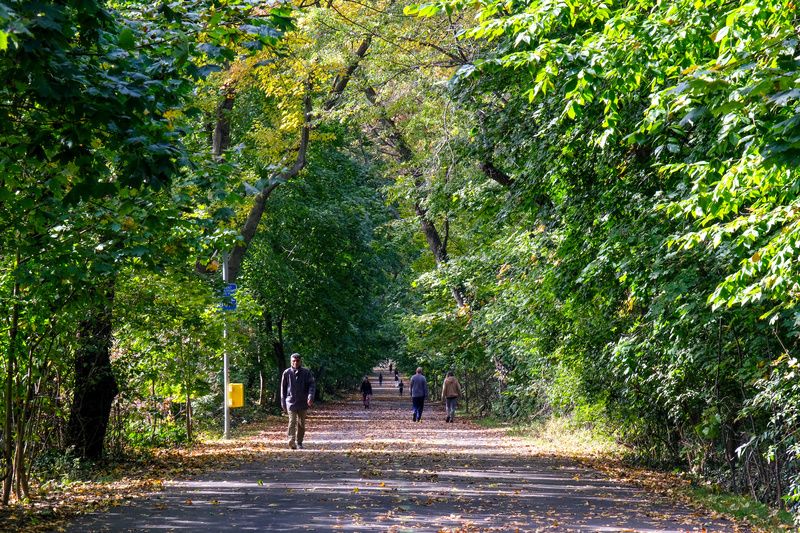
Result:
x=228 y=304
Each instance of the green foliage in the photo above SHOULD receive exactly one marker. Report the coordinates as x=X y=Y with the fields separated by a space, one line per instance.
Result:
x=743 y=508
x=650 y=147
x=613 y=185
x=319 y=271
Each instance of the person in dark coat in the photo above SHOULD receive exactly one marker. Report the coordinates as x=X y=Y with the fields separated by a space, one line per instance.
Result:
x=419 y=391
x=297 y=395
x=366 y=391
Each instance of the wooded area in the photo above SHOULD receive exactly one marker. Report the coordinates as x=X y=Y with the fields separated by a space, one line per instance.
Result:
x=585 y=209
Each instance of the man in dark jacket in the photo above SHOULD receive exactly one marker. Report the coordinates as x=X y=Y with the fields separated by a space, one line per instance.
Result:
x=297 y=395
x=419 y=391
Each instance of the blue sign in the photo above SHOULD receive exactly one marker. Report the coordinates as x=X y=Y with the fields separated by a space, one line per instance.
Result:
x=228 y=297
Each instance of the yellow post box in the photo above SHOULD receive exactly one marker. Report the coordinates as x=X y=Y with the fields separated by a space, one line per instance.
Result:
x=235 y=395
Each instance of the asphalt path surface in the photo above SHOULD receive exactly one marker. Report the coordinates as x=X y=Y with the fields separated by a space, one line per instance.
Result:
x=376 y=470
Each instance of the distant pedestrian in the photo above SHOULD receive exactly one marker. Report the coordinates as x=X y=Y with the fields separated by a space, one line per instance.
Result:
x=380 y=378
x=396 y=375
x=400 y=386
x=451 y=390
x=366 y=391
x=297 y=395
x=390 y=367
x=419 y=391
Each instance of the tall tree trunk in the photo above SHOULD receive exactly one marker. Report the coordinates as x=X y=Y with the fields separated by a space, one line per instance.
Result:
x=95 y=386
x=279 y=353
x=275 y=334
x=221 y=139
x=8 y=426
x=189 y=435
x=187 y=384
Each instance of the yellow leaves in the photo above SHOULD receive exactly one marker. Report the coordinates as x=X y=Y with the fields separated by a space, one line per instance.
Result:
x=503 y=269
x=171 y=115
x=128 y=223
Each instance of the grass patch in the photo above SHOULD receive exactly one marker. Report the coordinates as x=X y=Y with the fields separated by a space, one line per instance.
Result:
x=491 y=422
x=562 y=436
x=743 y=508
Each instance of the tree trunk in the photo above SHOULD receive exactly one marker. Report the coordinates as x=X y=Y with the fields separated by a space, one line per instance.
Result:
x=221 y=139
x=187 y=383
x=8 y=426
x=95 y=386
x=488 y=167
x=189 y=436
x=279 y=352
x=275 y=333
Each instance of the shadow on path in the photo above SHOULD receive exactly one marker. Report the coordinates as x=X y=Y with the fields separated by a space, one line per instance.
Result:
x=376 y=470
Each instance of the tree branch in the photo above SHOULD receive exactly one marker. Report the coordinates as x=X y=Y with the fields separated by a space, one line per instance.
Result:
x=259 y=204
x=340 y=83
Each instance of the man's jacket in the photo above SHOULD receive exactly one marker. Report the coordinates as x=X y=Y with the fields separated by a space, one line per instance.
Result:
x=297 y=389
x=419 y=386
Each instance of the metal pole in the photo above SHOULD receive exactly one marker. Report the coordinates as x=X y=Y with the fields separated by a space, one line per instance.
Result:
x=225 y=409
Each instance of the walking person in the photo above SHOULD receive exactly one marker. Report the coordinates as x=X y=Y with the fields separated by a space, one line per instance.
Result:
x=380 y=379
x=400 y=386
x=451 y=390
x=366 y=391
x=419 y=391
x=396 y=375
x=297 y=395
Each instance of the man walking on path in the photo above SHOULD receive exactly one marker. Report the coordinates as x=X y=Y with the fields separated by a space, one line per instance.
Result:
x=400 y=386
x=297 y=395
x=380 y=379
x=451 y=390
x=419 y=391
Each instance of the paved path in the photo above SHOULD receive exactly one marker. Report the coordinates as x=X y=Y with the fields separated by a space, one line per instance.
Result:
x=376 y=470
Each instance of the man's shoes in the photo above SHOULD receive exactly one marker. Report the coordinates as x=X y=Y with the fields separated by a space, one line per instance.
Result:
x=300 y=445
x=292 y=445
x=447 y=419
x=414 y=417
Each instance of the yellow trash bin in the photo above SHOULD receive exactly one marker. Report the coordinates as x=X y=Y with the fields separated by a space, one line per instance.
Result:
x=235 y=395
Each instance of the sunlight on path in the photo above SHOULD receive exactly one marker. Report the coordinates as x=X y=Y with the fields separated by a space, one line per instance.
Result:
x=376 y=470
